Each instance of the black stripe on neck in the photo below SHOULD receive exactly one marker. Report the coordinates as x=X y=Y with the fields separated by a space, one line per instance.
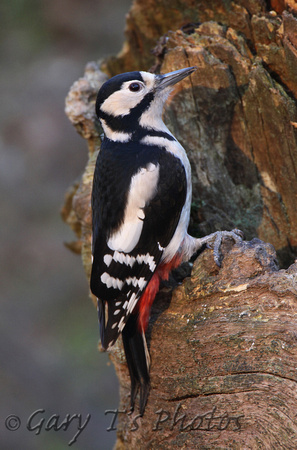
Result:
x=127 y=123
x=138 y=133
x=151 y=132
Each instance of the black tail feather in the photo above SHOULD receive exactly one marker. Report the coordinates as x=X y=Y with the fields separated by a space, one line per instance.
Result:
x=137 y=360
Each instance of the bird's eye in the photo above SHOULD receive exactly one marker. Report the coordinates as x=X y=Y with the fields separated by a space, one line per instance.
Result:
x=134 y=87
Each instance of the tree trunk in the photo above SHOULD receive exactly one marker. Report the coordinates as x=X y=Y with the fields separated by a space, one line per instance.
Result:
x=223 y=349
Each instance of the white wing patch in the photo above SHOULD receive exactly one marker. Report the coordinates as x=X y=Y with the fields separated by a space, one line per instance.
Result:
x=116 y=283
x=147 y=259
x=128 y=305
x=132 y=302
x=107 y=259
x=140 y=282
x=109 y=281
x=124 y=258
x=128 y=260
x=142 y=188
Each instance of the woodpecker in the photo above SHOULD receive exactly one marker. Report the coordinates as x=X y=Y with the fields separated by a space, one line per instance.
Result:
x=141 y=200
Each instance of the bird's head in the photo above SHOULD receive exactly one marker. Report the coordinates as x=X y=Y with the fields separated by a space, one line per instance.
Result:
x=132 y=102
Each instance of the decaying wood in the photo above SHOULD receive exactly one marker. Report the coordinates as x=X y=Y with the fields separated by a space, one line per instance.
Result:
x=224 y=348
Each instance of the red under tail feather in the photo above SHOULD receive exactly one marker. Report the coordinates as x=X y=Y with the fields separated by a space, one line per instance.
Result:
x=148 y=297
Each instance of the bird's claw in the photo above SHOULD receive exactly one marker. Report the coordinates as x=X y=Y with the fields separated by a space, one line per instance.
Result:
x=216 y=239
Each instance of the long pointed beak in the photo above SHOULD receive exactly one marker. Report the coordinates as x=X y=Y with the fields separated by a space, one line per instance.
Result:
x=171 y=78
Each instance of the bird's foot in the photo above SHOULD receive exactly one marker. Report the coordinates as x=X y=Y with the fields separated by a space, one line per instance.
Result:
x=214 y=241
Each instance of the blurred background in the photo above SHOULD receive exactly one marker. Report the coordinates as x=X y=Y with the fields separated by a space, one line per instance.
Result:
x=48 y=324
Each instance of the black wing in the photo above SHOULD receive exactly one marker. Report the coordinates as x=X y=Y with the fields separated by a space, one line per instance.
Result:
x=119 y=277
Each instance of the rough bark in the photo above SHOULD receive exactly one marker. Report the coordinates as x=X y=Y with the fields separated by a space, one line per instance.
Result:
x=224 y=349
x=223 y=358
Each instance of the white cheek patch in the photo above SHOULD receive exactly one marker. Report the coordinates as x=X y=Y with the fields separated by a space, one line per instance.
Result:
x=122 y=101
x=142 y=189
x=152 y=117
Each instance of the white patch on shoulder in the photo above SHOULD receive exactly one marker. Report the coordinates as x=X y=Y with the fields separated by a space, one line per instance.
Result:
x=142 y=189
x=141 y=214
